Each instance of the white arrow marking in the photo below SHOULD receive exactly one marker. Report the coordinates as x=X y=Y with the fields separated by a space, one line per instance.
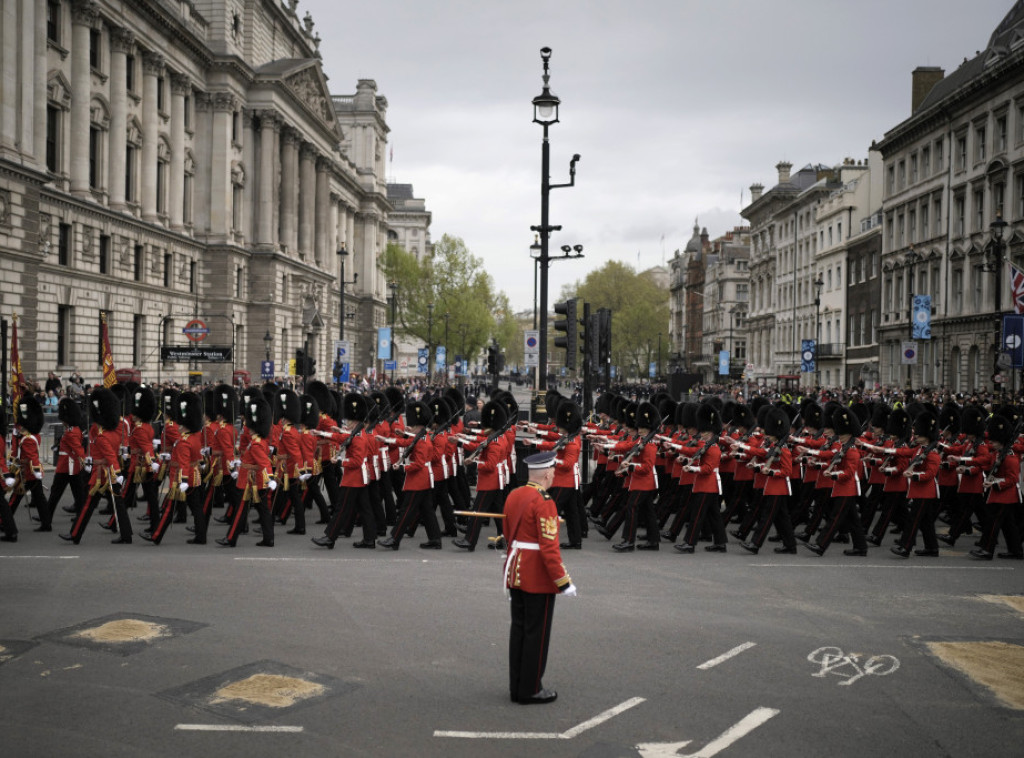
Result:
x=566 y=735
x=726 y=656
x=747 y=724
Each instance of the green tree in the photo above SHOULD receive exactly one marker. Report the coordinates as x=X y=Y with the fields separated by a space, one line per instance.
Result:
x=639 y=312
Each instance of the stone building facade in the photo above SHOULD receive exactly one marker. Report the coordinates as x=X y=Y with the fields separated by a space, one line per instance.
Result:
x=164 y=161
x=727 y=299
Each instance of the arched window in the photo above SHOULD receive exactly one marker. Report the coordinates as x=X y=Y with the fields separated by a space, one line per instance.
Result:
x=99 y=126
x=133 y=149
x=163 y=161
x=954 y=370
x=973 y=369
x=187 y=188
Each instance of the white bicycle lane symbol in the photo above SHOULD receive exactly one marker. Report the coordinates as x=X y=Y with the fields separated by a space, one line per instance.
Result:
x=848 y=666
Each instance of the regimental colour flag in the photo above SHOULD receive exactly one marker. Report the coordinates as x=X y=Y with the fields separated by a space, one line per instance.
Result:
x=17 y=378
x=109 y=375
x=1017 y=288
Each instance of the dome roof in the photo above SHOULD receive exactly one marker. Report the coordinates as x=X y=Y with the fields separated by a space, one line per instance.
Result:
x=694 y=245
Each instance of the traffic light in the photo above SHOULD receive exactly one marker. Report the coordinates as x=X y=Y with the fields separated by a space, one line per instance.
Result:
x=591 y=333
x=501 y=362
x=568 y=325
x=300 y=362
x=604 y=338
x=492 y=359
x=311 y=365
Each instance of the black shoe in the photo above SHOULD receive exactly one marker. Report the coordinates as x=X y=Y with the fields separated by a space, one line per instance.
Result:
x=221 y=519
x=14 y=537
x=323 y=521
x=365 y=544
x=873 y=540
x=945 y=539
x=121 y=541
x=786 y=550
x=750 y=548
x=1011 y=556
x=804 y=536
x=624 y=547
x=144 y=535
x=902 y=552
x=980 y=554
x=326 y=542
x=841 y=539
x=667 y=536
x=815 y=548
x=715 y=548
x=684 y=548
x=463 y=544
x=542 y=697
x=498 y=544
x=604 y=532
x=431 y=545
x=775 y=538
x=68 y=509
x=645 y=546
x=737 y=534
x=46 y=528
x=190 y=529
x=67 y=537
x=225 y=542
x=196 y=541
x=449 y=533
x=264 y=543
x=927 y=553
x=389 y=542
x=296 y=531
x=855 y=552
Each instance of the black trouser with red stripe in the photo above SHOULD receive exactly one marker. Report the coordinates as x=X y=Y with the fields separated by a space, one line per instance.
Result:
x=774 y=510
x=7 y=518
x=418 y=505
x=37 y=500
x=639 y=505
x=487 y=501
x=706 y=506
x=566 y=501
x=967 y=504
x=844 y=518
x=923 y=511
x=1001 y=516
x=57 y=487
x=193 y=501
x=353 y=500
x=238 y=522
x=893 y=503
x=120 y=514
x=528 y=642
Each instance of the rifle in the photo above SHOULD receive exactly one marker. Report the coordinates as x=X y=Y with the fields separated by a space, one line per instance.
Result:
x=408 y=451
x=490 y=438
x=919 y=458
x=636 y=449
x=840 y=455
x=990 y=477
x=700 y=453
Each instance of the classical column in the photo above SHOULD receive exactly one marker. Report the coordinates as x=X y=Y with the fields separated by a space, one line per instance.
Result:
x=122 y=41
x=26 y=77
x=83 y=17
x=321 y=226
x=269 y=123
x=39 y=89
x=181 y=86
x=9 y=67
x=331 y=243
x=307 y=199
x=220 y=169
x=289 y=187
x=249 y=162
x=152 y=68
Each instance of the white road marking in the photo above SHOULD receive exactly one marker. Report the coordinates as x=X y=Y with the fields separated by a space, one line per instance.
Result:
x=833 y=658
x=726 y=656
x=566 y=735
x=49 y=557
x=904 y=567
x=747 y=724
x=234 y=728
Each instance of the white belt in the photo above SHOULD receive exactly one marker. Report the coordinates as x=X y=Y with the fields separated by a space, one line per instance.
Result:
x=510 y=559
x=516 y=544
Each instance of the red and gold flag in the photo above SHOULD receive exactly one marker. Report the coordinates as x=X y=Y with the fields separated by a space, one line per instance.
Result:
x=17 y=378
x=109 y=376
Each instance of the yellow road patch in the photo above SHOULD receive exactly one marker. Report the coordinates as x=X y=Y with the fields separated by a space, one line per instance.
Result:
x=270 y=690
x=999 y=666
x=124 y=630
x=1014 y=601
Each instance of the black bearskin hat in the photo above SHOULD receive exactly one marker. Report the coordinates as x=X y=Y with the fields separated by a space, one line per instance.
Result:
x=728 y=412
x=899 y=424
x=973 y=421
x=743 y=416
x=927 y=425
x=647 y=417
x=378 y=405
x=457 y=400
x=29 y=413
x=322 y=394
x=69 y=412
x=1000 y=429
x=950 y=418
x=441 y=408
x=209 y=398
x=337 y=407
x=603 y=404
x=569 y=417
x=395 y=398
x=286 y=406
x=880 y=415
x=709 y=419
x=258 y=416
x=551 y=402
x=757 y=403
x=169 y=403
x=105 y=408
x=224 y=401
x=667 y=409
x=828 y=411
x=356 y=407
x=310 y=411
x=269 y=390
x=123 y=399
x=190 y=411
x=417 y=413
x=144 y=404
x=493 y=416
x=861 y=412
x=845 y=421
x=629 y=414
x=776 y=422
x=687 y=415
x=813 y=415
x=246 y=395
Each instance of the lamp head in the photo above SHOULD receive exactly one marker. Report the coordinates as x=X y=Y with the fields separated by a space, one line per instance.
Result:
x=566 y=249
x=998 y=227
x=578 y=249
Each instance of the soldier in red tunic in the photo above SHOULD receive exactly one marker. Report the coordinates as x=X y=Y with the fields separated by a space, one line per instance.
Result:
x=534 y=574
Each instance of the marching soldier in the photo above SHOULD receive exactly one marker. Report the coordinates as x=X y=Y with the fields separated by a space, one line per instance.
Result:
x=144 y=467
x=1003 y=494
x=184 y=474
x=254 y=476
x=418 y=486
x=10 y=529
x=566 y=487
x=487 y=452
x=354 y=478
x=29 y=467
x=707 y=489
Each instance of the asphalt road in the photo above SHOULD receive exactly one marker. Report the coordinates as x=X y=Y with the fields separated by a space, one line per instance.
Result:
x=406 y=652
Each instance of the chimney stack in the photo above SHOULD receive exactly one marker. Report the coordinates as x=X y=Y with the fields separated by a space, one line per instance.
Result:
x=783 y=169
x=756 y=190
x=924 y=80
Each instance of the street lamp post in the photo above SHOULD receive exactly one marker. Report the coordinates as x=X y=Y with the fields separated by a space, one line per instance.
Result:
x=910 y=259
x=267 y=339
x=998 y=227
x=659 y=355
x=430 y=339
x=545 y=113
x=342 y=255
x=393 y=286
x=446 y=358
x=818 y=284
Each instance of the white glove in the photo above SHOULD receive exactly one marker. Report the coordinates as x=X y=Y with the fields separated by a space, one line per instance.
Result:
x=9 y=481
x=183 y=486
x=570 y=591
x=119 y=480
x=88 y=461
x=156 y=442
x=304 y=477
x=272 y=485
x=154 y=467
x=273 y=450
x=165 y=456
x=88 y=468
x=205 y=451
x=234 y=474
x=236 y=463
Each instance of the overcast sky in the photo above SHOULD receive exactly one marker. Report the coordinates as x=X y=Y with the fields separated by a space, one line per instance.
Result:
x=676 y=107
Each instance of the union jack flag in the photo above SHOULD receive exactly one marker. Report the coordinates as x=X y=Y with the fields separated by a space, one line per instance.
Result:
x=1017 y=288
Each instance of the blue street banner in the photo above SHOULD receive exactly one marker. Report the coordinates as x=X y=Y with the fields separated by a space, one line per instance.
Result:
x=1013 y=339
x=651 y=369
x=808 y=356
x=440 y=363
x=266 y=370
x=723 y=363
x=421 y=360
x=383 y=343
x=612 y=371
x=922 y=326
x=460 y=367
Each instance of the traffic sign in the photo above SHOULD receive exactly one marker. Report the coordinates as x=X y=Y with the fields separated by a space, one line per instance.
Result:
x=997 y=378
x=266 y=370
x=195 y=330
x=389 y=365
